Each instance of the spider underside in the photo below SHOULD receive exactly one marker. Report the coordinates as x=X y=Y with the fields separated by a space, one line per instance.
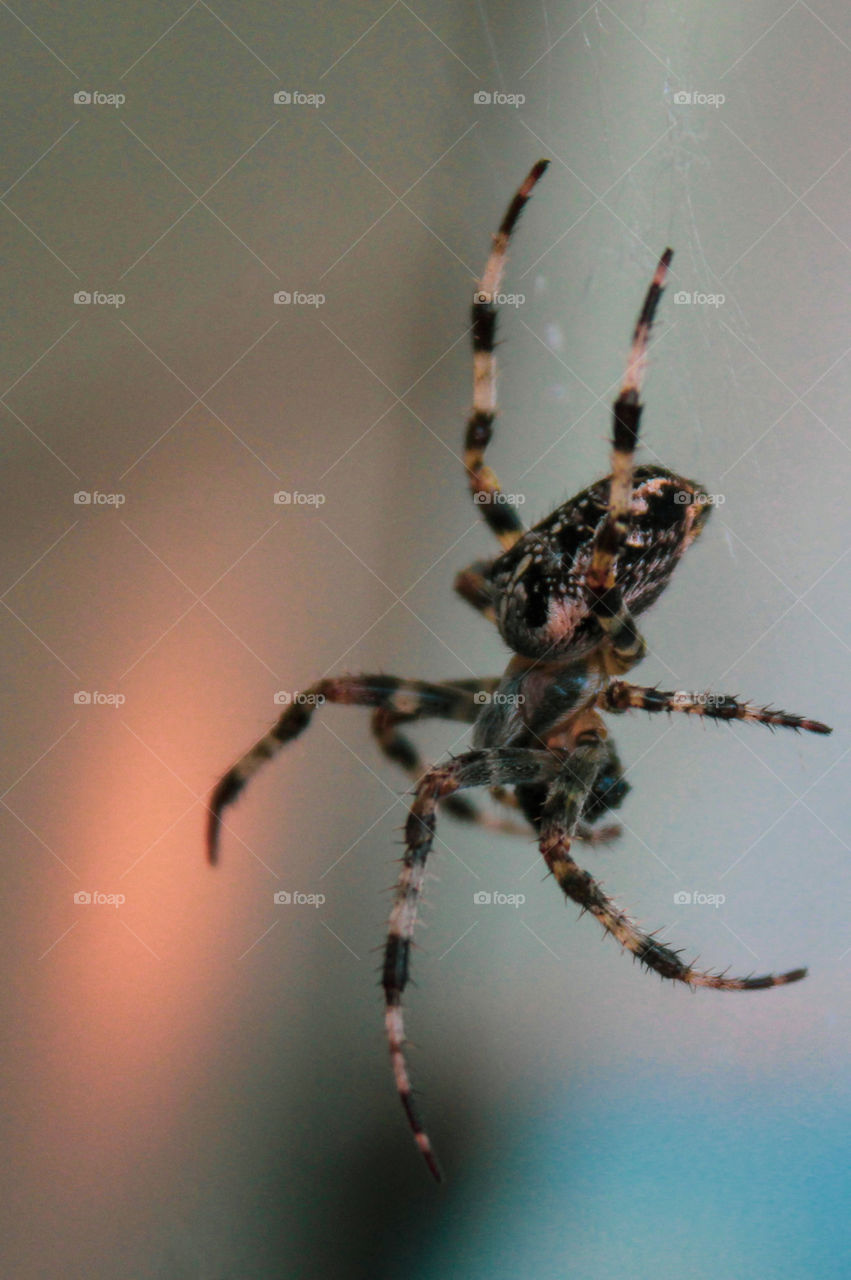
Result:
x=564 y=596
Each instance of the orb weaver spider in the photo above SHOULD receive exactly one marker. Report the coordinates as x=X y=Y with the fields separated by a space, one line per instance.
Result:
x=564 y=596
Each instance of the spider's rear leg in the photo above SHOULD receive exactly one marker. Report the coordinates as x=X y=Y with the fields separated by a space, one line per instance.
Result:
x=622 y=696
x=500 y=516
x=563 y=806
x=493 y=767
x=408 y=697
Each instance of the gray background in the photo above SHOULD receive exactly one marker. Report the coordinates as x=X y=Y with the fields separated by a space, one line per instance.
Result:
x=196 y=1080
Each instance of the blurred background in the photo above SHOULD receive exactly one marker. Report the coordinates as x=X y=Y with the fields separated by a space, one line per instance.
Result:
x=196 y=1078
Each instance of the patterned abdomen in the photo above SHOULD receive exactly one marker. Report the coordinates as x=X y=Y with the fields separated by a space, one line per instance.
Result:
x=540 y=600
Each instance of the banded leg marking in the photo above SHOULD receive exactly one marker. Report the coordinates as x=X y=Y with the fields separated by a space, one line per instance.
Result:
x=472 y=585
x=563 y=804
x=622 y=696
x=627 y=417
x=452 y=701
x=473 y=769
x=501 y=517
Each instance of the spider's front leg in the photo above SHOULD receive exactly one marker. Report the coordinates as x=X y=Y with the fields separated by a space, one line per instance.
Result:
x=605 y=598
x=500 y=516
x=561 y=811
x=493 y=767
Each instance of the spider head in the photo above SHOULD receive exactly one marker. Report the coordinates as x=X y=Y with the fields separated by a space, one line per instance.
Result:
x=540 y=597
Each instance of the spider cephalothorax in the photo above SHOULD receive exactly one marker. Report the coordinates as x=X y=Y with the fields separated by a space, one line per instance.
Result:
x=564 y=596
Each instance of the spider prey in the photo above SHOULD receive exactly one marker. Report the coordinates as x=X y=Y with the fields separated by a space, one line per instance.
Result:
x=564 y=596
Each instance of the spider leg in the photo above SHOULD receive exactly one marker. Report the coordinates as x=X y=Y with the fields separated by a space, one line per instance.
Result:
x=472 y=585
x=584 y=831
x=500 y=516
x=563 y=805
x=414 y=698
x=604 y=596
x=622 y=696
x=398 y=748
x=473 y=769
x=627 y=418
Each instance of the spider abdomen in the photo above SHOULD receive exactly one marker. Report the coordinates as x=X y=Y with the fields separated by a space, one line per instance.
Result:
x=540 y=595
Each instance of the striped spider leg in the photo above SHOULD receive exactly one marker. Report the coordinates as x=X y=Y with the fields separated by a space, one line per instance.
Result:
x=393 y=700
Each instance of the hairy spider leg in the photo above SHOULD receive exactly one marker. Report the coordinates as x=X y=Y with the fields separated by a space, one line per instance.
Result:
x=500 y=516
x=604 y=596
x=563 y=804
x=621 y=696
x=473 y=769
x=410 y=698
x=472 y=585
x=400 y=749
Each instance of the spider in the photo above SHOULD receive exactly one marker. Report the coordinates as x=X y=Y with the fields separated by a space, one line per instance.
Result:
x=564 y=596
